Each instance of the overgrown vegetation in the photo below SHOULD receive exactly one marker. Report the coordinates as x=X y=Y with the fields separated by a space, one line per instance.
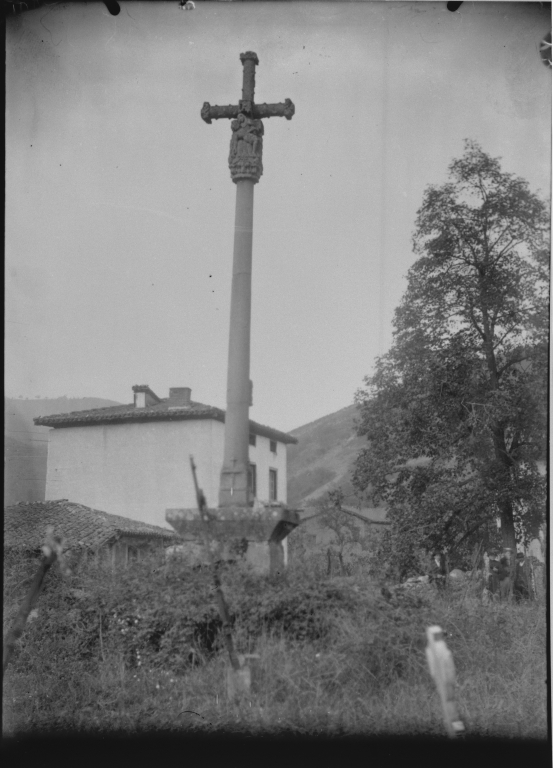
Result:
x=139 y=649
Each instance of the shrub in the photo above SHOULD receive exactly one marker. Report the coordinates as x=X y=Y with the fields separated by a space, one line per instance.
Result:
x=159 y=614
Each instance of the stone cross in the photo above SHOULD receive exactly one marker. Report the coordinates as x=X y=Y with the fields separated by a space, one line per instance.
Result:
x=246 y=143
x=246 y=168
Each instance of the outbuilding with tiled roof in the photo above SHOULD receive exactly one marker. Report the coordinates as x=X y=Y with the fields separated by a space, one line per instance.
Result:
x=83 y=529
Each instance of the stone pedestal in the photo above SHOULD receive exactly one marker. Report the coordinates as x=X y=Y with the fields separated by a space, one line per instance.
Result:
x=256 y=535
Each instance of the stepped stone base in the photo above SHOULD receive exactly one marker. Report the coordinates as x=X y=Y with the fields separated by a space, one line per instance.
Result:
x=256 y=535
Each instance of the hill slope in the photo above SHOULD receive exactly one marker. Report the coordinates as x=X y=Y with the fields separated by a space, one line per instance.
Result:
x=324 y=456
x=26 y=446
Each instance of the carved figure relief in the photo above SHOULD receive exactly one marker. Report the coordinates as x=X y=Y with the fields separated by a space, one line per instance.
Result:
x=246 y=148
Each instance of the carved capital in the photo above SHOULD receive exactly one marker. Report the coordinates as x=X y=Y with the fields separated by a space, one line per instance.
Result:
x=246 y=149
x=241 y=171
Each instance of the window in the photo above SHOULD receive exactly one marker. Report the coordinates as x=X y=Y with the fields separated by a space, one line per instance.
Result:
x=252 y=439
x=252 y=480
x=272 y=485
x=273 y=446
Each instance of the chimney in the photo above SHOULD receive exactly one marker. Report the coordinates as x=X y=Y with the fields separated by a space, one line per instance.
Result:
x=180 y=396
x=143 y=396
x=139 y=399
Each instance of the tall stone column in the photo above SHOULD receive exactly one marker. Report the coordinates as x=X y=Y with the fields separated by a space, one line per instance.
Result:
x=233 y=488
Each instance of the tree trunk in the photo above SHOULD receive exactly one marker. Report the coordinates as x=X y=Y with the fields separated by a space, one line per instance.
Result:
x=509 y=539
x=508 y=527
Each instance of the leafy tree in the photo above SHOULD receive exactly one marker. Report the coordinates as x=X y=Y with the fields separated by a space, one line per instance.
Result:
x=455 y=413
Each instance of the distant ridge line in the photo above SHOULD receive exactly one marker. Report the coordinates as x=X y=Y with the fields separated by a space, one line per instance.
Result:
x=320 y=419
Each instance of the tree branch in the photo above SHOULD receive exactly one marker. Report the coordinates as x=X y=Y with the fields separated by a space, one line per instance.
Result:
x=470 y=531
x=503 y=251
x=507 y=332
x=512 y=362
x=499 y=238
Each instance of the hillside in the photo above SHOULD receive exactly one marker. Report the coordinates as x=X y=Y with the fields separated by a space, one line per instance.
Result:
x=26 y=446
x=323 y=458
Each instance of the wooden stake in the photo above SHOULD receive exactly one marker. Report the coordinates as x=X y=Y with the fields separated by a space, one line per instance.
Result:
x=52 y=550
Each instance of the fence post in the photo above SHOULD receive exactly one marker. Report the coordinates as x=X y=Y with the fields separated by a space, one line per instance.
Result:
x=442 y=669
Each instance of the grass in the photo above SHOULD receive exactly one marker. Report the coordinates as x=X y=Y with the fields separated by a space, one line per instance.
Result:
x=368 y=675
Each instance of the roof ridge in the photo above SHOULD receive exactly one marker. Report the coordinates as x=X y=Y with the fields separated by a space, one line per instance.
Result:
x=161 y=411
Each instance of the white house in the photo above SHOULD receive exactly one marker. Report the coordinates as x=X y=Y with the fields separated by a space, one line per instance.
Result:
x=134 y=460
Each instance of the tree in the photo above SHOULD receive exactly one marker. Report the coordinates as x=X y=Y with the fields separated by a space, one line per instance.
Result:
x=455 y=413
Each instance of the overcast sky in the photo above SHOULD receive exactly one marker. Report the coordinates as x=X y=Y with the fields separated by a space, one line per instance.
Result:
x=120 y=207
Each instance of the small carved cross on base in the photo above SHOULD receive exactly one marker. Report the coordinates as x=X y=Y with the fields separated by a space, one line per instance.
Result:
x=246 y=145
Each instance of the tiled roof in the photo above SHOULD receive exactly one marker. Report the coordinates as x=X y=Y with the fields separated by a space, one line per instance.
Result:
x=166 y=410
x=25 y=525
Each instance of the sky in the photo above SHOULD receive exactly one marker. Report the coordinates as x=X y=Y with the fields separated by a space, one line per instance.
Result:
x=120 y=207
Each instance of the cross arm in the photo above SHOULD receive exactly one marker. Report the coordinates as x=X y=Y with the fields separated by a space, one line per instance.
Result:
x=210 y=113
x=286 y=109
